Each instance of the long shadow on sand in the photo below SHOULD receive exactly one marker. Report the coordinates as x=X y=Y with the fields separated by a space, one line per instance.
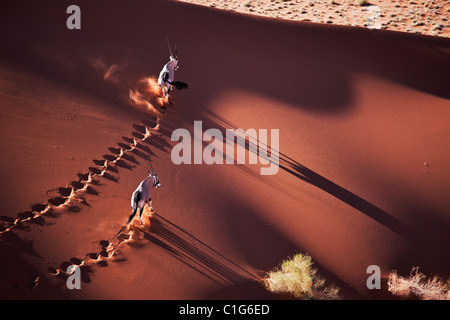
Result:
x=291 y=166
x=195 y=253
x=426 y=244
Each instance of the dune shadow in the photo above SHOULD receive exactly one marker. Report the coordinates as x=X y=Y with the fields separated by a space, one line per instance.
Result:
x=19 y=278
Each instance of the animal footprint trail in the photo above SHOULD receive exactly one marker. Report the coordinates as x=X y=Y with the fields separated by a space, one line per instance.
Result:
x=66 y=198
x=169 y=237
x=109 y=250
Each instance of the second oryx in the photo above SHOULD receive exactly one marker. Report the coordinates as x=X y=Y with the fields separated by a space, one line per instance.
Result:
x=166 y=77
x=142 y=194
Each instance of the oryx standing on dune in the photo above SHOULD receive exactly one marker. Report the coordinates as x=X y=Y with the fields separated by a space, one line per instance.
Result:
x=142 y=194
x=167 y=75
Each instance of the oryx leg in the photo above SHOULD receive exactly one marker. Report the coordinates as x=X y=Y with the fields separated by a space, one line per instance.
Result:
x=140 y=215
x=150 y=204
x=169 y=88
x=132 y=215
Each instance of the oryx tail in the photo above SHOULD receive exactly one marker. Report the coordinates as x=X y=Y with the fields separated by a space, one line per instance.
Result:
x=134 y=205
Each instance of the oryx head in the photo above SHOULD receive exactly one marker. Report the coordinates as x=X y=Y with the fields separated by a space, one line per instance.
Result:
x=173 y=57
x=156 y=182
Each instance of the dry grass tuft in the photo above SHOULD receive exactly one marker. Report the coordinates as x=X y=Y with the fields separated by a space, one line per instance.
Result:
x=417 y=286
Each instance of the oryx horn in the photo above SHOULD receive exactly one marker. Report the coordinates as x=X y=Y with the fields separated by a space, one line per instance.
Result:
x=149 y=164
x=170 y=50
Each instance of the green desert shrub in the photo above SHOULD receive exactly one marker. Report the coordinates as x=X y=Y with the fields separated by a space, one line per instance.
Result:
x=296 y=276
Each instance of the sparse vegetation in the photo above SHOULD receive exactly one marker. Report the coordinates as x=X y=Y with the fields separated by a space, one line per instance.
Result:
x=296 y=276
x=417 y=286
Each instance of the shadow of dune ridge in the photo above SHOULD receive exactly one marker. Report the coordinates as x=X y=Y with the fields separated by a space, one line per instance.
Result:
x=299 y=59
x=311 y=65
x=19 y=279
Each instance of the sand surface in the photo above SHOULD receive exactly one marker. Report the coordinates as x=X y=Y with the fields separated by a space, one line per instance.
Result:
x=363 y=127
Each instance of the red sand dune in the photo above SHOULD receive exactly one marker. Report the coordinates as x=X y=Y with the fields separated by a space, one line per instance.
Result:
x=364 y=172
